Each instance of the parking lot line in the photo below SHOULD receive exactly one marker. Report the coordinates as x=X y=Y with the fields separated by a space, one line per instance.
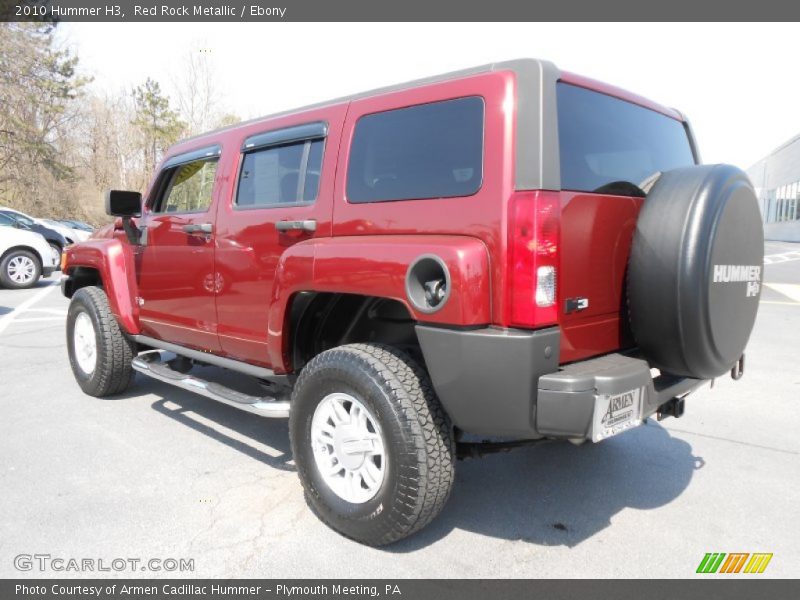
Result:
x=770 y=259
x=790 y=290
x=38 y=319
x=9 y=318
x=53 y=311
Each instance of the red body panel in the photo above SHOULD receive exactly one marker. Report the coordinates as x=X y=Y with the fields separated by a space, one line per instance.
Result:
x=114 y=261
x=481 y=216
x=177 y=282
x=596 y=235
x=377 y=266
x=250 y=248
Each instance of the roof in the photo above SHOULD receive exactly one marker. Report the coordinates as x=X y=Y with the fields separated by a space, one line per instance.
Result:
x=518 y=65
x=536 y=152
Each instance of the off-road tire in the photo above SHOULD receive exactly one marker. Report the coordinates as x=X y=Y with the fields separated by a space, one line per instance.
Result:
x=418 y=438
x=115 y=351
x=7 y=282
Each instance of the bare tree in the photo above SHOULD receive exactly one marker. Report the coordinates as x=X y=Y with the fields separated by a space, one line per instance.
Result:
x=39 y=86
x=62 y=144
x=197 y=95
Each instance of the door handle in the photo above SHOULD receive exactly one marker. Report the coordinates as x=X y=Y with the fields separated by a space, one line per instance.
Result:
x=204 y=228
x=305 y=225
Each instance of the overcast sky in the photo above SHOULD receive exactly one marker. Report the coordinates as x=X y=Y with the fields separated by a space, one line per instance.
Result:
x=738 y=83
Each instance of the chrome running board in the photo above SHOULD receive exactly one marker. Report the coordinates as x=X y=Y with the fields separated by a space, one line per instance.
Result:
x=150 y=364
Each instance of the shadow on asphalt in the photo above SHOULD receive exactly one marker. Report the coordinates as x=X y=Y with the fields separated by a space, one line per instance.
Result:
x=273 y=433
x=560 y=494
x=551 y=495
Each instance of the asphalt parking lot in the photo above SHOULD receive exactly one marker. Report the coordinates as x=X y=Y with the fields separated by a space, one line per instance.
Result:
x=161 y=473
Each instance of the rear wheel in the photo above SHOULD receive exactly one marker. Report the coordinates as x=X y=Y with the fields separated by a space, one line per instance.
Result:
x=373 y=446
x=56 y=249
x=20 y=269
x=99 y=352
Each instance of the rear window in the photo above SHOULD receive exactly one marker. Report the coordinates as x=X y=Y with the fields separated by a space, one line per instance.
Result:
x=611 y=146
x=426 y=151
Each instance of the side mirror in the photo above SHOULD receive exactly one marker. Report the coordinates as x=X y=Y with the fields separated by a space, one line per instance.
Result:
x=120 y=203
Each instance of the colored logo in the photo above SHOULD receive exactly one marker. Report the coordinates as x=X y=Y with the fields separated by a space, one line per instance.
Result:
x=735 y=562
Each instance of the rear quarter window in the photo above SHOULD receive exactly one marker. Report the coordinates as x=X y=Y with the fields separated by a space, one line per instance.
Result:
x=608 y=145
x=426 y=151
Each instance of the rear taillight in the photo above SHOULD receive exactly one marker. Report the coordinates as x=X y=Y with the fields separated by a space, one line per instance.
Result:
x=534 y=222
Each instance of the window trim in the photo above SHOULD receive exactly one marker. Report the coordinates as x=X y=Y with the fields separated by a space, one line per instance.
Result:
x=164 y=184
x=285 y=136
x=207 y=152
x=481 y=182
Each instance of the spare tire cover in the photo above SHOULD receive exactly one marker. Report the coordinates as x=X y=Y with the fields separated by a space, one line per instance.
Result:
x=695 y=271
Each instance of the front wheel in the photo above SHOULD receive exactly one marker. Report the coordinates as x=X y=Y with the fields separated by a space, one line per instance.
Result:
x=100 y=354
x=373 y=447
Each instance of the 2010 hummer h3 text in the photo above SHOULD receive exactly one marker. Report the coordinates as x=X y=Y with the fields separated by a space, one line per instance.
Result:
x=510 y=252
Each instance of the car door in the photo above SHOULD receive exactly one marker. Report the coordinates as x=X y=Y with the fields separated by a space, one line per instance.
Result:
x=283 y=196
x=176 y=258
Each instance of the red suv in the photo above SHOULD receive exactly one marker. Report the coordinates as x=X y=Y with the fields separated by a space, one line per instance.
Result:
x=509 y=253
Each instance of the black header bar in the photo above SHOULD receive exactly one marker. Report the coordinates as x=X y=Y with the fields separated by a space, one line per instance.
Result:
x=710 y=587
x=400 y=10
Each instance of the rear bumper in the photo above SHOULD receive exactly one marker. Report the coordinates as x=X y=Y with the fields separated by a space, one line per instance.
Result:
x=507 y=383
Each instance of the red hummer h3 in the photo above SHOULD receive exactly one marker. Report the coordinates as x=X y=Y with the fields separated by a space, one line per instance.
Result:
x=509 y=253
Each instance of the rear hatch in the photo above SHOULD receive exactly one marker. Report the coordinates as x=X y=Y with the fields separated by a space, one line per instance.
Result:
x=609 y=147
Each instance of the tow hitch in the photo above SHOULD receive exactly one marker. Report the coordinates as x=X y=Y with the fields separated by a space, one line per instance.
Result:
x=671 y=408
x=738 y=369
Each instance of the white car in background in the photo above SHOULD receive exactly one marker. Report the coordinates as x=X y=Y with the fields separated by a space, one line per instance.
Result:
x=76 y=234
x=25 y=256
x=71 y=235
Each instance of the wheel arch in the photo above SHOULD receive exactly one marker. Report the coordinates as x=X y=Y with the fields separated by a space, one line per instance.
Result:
x=79 y=277
x=108 y=264
x=318 y=321
x=25 y=248
x=382 y=269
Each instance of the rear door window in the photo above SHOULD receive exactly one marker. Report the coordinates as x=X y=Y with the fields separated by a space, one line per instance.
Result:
x=611 y=146
x=280 y=175
x=426 y=151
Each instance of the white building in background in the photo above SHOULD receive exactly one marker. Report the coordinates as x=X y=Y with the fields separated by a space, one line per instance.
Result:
x=776 y=178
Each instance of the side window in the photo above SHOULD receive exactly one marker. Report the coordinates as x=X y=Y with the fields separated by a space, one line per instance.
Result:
x=280 y=175
x=427 y=151
x=188 y=188
x=6 y=221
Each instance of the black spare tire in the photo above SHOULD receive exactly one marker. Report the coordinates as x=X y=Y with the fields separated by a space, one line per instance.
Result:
x=695 y=271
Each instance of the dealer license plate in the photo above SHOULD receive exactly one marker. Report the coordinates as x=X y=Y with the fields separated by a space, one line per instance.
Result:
x=614 y=414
